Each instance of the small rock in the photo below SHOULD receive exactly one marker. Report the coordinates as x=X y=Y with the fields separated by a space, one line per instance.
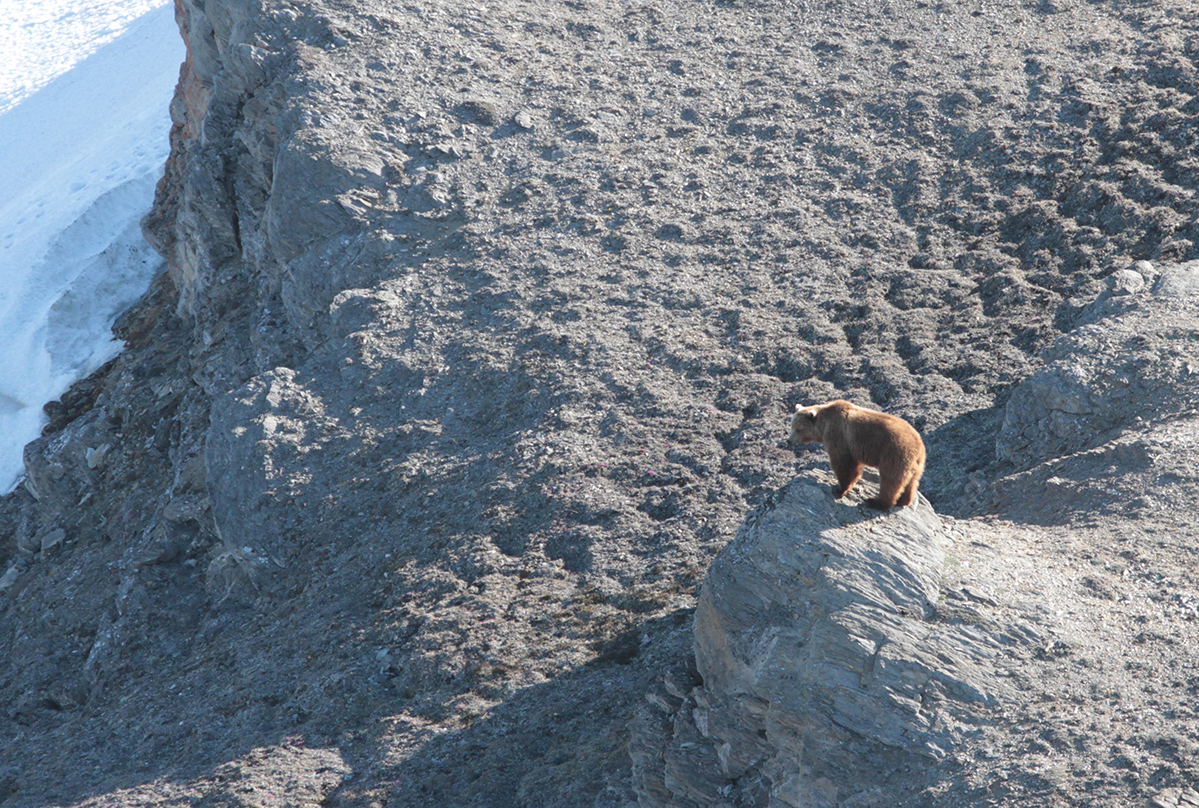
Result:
x=977 y=597
x=523 y=120
x=1125 y=282
x=1054 y=484
x=95 y=456
x=52 y=539
x=481 y=112
x=448 y=149
x=10 y=577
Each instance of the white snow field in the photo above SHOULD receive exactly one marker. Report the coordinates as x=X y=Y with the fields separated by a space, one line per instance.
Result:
x=85 y=88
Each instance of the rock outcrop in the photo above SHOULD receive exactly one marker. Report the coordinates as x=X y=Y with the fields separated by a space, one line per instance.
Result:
x=829 y=651
x=1109 y=424
x=827 y=677
x=1134 y=359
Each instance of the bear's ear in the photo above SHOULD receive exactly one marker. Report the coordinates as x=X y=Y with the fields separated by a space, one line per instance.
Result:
x=812 y=415
x=798 y=407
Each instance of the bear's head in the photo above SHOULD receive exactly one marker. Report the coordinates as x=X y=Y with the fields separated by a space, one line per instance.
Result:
x=805 y=426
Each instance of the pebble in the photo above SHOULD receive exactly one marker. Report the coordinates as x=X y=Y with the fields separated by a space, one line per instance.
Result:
x=52 y=539
x=10 y=577
x=524 y=120
x=95 y=455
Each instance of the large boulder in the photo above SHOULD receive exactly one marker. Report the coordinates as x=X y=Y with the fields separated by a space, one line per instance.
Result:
x=824 y=665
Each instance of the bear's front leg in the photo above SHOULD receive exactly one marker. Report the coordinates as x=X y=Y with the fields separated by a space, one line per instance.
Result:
x=848 y=472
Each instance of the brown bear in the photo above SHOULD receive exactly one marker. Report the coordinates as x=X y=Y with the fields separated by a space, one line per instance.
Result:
x=856 y=437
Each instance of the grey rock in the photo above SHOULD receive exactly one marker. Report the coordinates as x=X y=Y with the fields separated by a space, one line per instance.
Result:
x=307 y=161
x=1180 y=283
x=1175 y=798
x=1124 y=365
x=52 y=539
x=10 y=577
x=820 y=658
x=254 y=431
x=1125 y=282
x=524 y=120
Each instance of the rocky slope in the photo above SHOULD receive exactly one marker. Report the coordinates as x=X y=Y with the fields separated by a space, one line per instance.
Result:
x=476 y=346
x=846 y=658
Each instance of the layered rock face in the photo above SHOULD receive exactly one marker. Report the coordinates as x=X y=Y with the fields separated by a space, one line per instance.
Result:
x=1109 y=423
x=827 y=677
x=1133 y=359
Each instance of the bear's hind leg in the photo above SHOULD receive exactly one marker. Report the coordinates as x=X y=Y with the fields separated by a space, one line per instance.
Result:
x=909 y=494
x=888 y=490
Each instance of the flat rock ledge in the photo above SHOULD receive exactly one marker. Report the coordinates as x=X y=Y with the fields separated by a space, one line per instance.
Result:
x=821 y=664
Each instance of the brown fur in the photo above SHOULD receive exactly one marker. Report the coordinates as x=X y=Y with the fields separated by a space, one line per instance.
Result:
x=855 y=437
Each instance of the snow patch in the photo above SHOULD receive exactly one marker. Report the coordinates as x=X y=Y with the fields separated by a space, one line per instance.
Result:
x=85 y=89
